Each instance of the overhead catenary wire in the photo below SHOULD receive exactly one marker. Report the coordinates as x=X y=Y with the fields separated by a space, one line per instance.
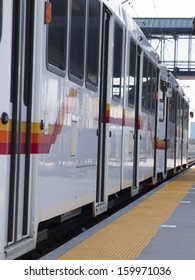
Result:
x=156 y=45
x=162 y=34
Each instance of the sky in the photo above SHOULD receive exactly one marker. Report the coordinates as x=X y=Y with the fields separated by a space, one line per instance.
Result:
x=166 y=8
x=161 y=8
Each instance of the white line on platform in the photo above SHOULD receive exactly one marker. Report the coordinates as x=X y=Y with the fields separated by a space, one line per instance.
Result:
x=168 y=226
x=185 y=201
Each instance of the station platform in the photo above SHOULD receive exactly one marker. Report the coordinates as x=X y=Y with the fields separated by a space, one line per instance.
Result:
x=158 y=226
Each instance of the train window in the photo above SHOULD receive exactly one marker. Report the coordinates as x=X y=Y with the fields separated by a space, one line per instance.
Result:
x=162 y=91
x=179 y=112
x=57 y=36
x=145 y=89
x=172 y=107
x=161 y=110
x=154 y=88
x=132 y=75
x=169 y=89
x=1 y=15
x=149 y=86
x=93 y=43
x=117 y=62
x=186 y=113
x=77 y=41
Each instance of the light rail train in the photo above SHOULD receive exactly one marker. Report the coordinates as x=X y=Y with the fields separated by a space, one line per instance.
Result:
x=87 y=114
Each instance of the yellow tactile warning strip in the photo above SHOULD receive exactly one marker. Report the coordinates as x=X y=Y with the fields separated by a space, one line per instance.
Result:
x=127 y=236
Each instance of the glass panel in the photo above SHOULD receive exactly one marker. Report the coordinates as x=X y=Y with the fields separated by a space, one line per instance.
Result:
x=117 y=62
x=154 y=89
x=132 y=75
x=172 y=107
x=77 y=39
x=162 y=91
x=93 y=42
x=57 y=34
x=150 y=87
x=145 y=84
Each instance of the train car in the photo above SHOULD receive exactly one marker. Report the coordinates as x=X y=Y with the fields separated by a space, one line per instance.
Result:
x=87 y=114
x=177 y=127
x=172 y=132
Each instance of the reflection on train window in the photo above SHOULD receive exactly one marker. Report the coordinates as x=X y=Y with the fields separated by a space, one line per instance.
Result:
x=132 y=75
x=57 y=36
x=117 y=62
x=145 y=84
x=182 y=113
x=163 y=89
x=77 y=40
x=179 y=112
x=149 y=86
x=186 y=119
x=155 y=75
x=1 y=15
x=161 y=107
x=154 y=88
x=172 y=107
x=93 y=42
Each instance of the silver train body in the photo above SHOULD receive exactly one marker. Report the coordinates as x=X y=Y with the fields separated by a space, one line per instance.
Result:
x=86 y=112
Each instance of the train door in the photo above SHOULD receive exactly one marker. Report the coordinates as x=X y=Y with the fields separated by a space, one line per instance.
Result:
x=178 y=133
x=161 y=143
x=174 y=129
x=137 y=135
x=18 y=228
x=184 y=137
x=166 y=134
x=100 y=188
x=182 y=130
x=185 y=134
x=129 y=115
x=171 y=130
x=115 y=110
x=156 y=74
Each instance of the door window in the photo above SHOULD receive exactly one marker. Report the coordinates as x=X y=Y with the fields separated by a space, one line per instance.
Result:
x=93 y=42
x=77 y=41
x=132 y=73
x=57 y=34
x=117 y=62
